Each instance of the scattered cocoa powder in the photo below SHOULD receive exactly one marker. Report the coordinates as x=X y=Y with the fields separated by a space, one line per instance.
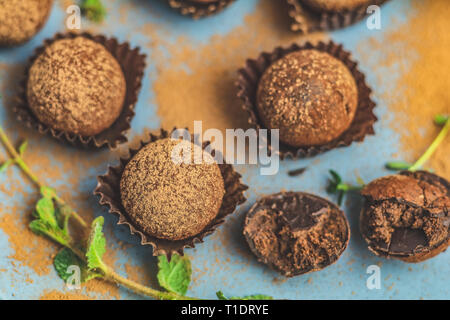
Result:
x=418 y=51
x=57 y=295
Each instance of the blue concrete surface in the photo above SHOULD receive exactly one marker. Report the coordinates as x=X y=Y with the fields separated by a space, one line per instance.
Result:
x=223 y=262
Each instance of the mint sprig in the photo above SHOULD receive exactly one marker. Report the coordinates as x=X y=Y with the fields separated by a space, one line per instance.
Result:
x=67 y=258
x=337 y=186
x=440 y=120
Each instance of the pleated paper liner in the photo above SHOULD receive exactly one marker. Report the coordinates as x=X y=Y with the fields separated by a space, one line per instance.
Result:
x=362 y=125
x=306 y=19
x=133 y=65
x=199 y=10
x=108 y=188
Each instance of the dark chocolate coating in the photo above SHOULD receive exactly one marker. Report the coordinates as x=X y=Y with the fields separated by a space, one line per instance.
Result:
x=406 y=216
x=296 y=233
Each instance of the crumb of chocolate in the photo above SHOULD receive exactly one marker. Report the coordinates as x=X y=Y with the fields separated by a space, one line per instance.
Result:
x=296 y=233
x=76 y=86
x=20 y=20
x=406 y=216
x=169 y=200
x=309 y=95
x=296 y=172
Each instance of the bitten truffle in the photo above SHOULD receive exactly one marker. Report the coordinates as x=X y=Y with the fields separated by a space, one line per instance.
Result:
x=335 y=5
x=169 y=200
x=406 y=216
x=309 y=95
x=296 y=233
x=76 y=86
x=20 y=20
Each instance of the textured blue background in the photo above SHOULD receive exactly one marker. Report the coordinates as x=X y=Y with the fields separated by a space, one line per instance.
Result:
x=219 y=265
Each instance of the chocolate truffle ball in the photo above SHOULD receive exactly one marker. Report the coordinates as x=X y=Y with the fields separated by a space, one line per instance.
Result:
x=406 y=216
x=310 y=96
x=76 y=86
x=169 y=200
x=20 y=20
x=296 y=233
x=335 y=5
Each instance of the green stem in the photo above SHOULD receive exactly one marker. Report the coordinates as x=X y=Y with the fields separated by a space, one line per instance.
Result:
x=18 y=160
x=432 y=148
x=140 y=289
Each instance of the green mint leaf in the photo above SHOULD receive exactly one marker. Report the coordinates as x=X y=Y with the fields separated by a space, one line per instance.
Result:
x=23 y=148
x=67 y=258
x=93 y=10
x=48 y=192
x=398 y=165
x=441 y=119
x=174 y=276
x=96 y=245
x=336 y=177
x=63 y=214
x=46 y=211
x=6 y=165
x=43 y=228
x=221 y=296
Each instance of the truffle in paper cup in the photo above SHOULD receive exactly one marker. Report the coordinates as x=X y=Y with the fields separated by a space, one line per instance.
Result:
x=132 y=63
x=362 y=124
x=109 y=190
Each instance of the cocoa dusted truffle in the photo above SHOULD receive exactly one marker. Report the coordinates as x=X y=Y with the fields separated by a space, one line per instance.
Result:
x=309 y=95
x=335 y=5
x=406 y=216
x=169 y=200
x=77 y=86
x=296 y=233
x=20 y=20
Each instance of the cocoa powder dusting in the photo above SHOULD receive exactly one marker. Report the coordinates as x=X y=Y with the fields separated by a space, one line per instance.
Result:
x=296 y=233
x=309 y=95
x=419 y=53
x=170 y=200
x=21 y=19
x=76 y=85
